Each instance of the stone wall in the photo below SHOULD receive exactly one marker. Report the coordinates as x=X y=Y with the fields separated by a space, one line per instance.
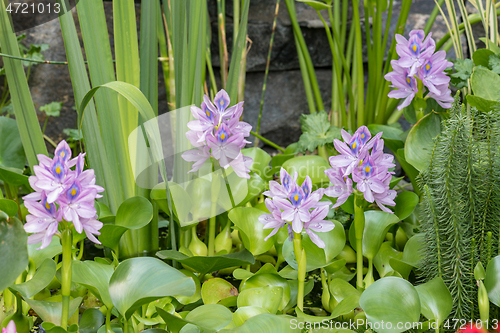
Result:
x=285 y=99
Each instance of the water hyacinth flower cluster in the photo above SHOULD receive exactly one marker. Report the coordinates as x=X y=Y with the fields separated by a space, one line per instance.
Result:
x=297 y=207
x=218 y=132
x=362 y=161
x=419 y=62
x=61 y=194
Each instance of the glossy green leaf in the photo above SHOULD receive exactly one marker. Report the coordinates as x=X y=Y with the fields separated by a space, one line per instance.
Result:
x=485 y=84
x=391 y=136
x=265 y=323
x=206 y=265
x=138 y=281
x=244 y=313
x=377 y=223
x=413 y=251
x=341 y=289
x=39 y=256
x=391 y=300
x=50 y=310
x=277 y=162
x=94 y=276
x=246 y=219
x=216 y=289
x=420 y=140
x=269 y=279
x=13 y=176
x=13 y=250
x=318 y=257
x=91 y=320
x=479 y=272
x=267 y=297
x=482 y=104
x=8 y=206
x=381 y=259
x=197 y=294
x=43 y=276
x=492 y=280
x=11 y=149
x=310 y=165
x=210 y=317
x=405 y=204
x=435 y=300
x=133 y=213
x=481 y=57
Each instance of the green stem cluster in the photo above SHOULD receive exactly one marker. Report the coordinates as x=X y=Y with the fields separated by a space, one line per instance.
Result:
x=66 y=271
x=300 y=256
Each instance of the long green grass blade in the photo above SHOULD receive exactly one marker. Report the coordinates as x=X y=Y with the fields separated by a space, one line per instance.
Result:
x=27 y=121
x=96 y=153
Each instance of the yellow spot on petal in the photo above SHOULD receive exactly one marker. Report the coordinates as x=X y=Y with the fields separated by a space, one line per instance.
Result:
x=296 y=197
x=408 y=79
x=367 y=169
x=223 y=136
x=427 y=67
x=73 y=191
x=47 y=205
x=360 y=162
x=208 y=114
x=58 y=170
x=354 y=145
x=362 y=135
x=221 y=102
x=63 y=154
x=414 y=48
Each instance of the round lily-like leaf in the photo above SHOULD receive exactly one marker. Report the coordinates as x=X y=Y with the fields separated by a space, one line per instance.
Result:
x=197 y=294
x=11 y=149
x=435 y=300
x=269 y=279
x=91 y=320
x=405 y=204
x=260 y=161
x=267 y=322
x=384 y=255
x=50 y=309
x=294 y=288
x=200 y=192
x=94 y=276
x=13 y=250
x=216 y=289
x=267 y=297
x=8 y=206
x=412 y=253
x=310 y=165
x=181 y=201
x=246 y=219
x=13 y=176
x=391 y=300
x=420 y=140
x=209 y=318
x=138 y=281
x=377 y=224
x=492 y=280
x=205 y=265
x=133 y=213
x=246 y=312
x=341 y=289
x=43 y=276
x=318 y=257
x=39 y=256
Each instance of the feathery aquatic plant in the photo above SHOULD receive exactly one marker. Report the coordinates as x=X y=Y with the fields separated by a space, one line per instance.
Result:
x=460 y=201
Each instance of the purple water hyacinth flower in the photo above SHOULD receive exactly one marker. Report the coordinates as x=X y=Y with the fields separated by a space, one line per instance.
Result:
x=352 y=154
x=406 y=88
x=317 y=223
x=42 y=222
x=87 y=177
x=54 y=181
x=10 y=328
x=367 y=177
x=414 y=51
x=379 y=158
x=78 y=202
x=272 y=220
x=444 y=99
x=432 y=72
x=91 y=227
x=387 y=197
x=342 y=186
x=281 y=190
x=218 y=132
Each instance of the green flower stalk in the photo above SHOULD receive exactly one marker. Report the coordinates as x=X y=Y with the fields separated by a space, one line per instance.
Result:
x=359 y=227
x=66 y=271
